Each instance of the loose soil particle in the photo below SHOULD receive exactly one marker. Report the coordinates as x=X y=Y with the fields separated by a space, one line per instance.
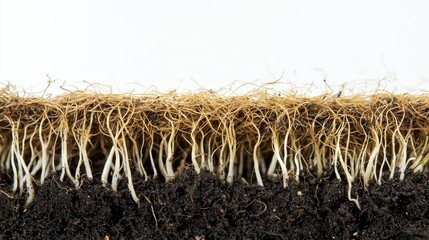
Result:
x=203 y=207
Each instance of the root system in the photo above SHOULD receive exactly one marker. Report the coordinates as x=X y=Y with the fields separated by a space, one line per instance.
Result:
x=255 y=136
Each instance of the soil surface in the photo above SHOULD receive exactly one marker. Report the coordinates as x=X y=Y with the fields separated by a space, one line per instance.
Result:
x=203 y=207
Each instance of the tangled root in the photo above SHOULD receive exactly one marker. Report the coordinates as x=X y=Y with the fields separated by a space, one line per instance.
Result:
x=259 y=134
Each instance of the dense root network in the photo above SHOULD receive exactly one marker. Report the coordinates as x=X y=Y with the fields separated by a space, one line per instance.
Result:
x=258 y=135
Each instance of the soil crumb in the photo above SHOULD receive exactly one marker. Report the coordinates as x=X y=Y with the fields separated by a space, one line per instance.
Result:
x=203 y=207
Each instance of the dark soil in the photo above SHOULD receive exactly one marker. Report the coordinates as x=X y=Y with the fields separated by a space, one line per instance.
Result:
x=202 y=207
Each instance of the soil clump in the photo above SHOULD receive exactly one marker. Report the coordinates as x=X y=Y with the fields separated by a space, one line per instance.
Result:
x=200 y=206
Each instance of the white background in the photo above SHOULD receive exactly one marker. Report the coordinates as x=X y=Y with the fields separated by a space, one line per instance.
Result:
x=140 y=46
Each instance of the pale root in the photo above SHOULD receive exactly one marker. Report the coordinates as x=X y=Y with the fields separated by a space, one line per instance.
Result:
x=259 y=135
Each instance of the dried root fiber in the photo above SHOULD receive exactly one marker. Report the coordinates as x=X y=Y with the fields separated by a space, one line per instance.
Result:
x=259 y=135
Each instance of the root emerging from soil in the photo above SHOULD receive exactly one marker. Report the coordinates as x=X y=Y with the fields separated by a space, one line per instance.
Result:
x=258 y=135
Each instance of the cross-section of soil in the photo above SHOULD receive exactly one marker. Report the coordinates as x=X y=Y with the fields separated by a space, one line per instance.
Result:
x=203 y=207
